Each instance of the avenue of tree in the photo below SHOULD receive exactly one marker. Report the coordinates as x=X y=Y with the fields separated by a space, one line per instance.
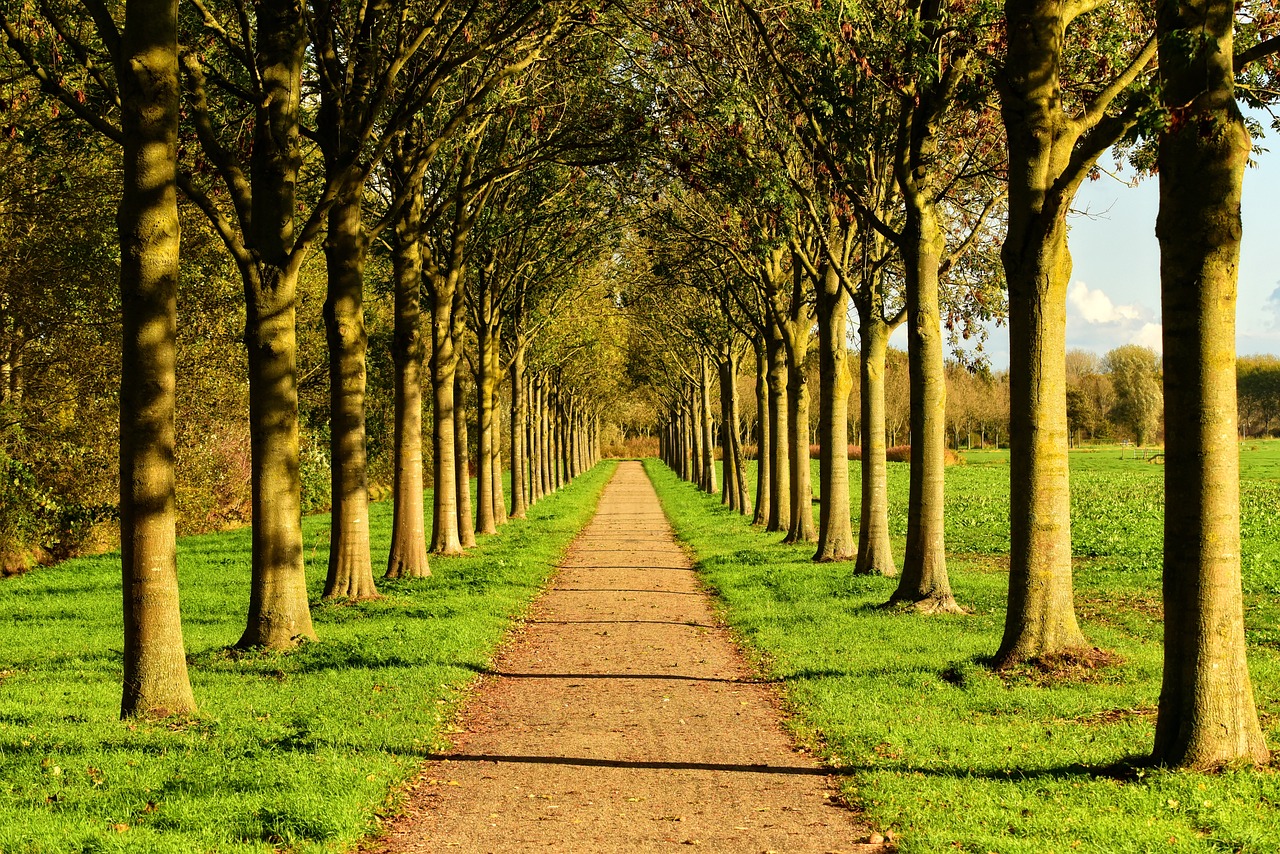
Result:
x=568 y=208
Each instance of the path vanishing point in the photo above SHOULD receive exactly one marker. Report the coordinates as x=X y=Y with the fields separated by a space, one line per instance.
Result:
x=623 y=718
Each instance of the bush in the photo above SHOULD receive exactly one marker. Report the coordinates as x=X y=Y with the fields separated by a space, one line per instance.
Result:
x=37 y=526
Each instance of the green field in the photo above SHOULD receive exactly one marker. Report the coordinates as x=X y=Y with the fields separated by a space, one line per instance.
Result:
x=301 y=751
x=949 y=755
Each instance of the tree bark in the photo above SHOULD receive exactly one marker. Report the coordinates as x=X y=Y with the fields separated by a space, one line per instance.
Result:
x=875 y=550
x=797 y=340
x=408 y=557
x=1207 y=716
x=546 y=460
x=924 y=580
x=835 y=526
x=561 y=470
x=538 y=467
x=519 y=450
x=155 y=664
x=1040 y=618
x=730 y=495
x=462 y=459
x=279 y=613
x=350 y=567
x=444 y=365
x=486 y=385
x=764 y=467
x=499 y=499
x=707 y=427
x=1041 y=615
x=779 y=450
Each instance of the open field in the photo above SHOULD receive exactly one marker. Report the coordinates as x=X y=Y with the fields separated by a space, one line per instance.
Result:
x=299 y=750
x=944 y=752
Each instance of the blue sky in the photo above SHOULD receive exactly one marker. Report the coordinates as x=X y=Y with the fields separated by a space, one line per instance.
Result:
x=1114 y=297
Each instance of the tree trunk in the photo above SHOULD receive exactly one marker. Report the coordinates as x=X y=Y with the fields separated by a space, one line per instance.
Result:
x=279 y=613
x=708 y=442
x=764 y=467
x=561 y=470
x=924 y=579
x=835 y=526
x=875 y=550
x=546 y=460
x=519 y=451
x=155 y=663
x=350 y=568
x=695 y=436
x=486 y=384
x=1207 y=716
x=538 y=463
x=1041 y=617
x=802 y=529
x=499 y=499
x=730 y=492
x=571 y=440
x=779 y=450
x=444 y=365
x=462 y=459
x=689 y=443
x=408 y=557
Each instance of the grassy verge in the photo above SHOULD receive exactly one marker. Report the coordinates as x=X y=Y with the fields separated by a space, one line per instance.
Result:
x=299 y=751
x=951 y=756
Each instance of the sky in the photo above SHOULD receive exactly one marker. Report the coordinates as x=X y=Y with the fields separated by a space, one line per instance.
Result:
x=1114 y=296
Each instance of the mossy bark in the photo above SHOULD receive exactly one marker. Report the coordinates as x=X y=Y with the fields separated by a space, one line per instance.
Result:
x=444 y=366
x=735 y=493
x=924 y=581
x=279 y=613
x=1040 y=619
x=707 y=427
x=764 y=462
x=350 y=573
x=155 y=665
x=408 y=556
x=1207 y=716
x=486 y=392
x=801 y=528
x=875 y=550
x=462 y=462
x=779 y=446
x=519 y=450
x=835 y=525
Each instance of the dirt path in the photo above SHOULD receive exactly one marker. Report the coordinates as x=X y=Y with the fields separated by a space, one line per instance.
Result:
x=623 y=719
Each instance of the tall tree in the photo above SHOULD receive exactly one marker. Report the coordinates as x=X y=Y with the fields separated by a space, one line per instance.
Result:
x=1057 y=126
x=1135 y=378
x=1207 y=715
x=155 y=664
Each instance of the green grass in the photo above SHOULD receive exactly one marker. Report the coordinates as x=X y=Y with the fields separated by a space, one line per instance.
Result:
x=297 y=751
x=950 y=756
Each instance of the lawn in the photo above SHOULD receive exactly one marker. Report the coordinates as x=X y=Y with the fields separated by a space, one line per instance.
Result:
x=301 y=750
x=948 y=755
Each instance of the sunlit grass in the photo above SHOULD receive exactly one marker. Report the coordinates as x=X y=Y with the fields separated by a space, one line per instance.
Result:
x=951 y=756
x=300 y=750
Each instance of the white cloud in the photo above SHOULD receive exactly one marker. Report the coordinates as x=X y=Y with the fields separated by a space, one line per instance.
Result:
x=1150 y=335
x=1094 y=306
